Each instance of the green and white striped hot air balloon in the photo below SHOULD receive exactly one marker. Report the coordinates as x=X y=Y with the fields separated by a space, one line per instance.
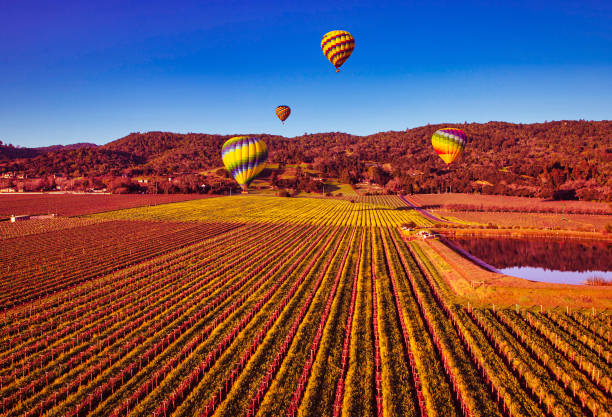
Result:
x=244 y=157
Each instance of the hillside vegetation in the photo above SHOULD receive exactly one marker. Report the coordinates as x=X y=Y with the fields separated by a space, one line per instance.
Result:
x=563 y=159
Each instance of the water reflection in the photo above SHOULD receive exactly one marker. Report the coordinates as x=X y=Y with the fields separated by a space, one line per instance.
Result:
x=566 y=261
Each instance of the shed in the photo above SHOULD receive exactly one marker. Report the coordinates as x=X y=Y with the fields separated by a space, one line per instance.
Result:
x=19 y=218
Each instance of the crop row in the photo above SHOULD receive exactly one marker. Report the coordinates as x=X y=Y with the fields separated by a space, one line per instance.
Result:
x=405 y=337
x=170 y=358
x=314 y=346
x=104 y=307
x=589 y=339
x=274 y=366
x=295 y=318
x=598 y=324
x=595 y=366
x=359 y=386
x=79 y=204
x=339 y=396
x=42 y=264
x=431 y=385
x=36 y=226
x=376 y=334
x=192 y=378
x=399 y=392
x=547 y=377
x=388 y=201
x=461 y=364
x=248 y=209
x=78 y=299
x=276 y=396
x=167 y=304
x=283 y=318
x=565 y=372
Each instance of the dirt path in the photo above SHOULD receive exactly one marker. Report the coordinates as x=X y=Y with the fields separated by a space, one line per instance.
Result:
x=421 y=210
x=468 y=255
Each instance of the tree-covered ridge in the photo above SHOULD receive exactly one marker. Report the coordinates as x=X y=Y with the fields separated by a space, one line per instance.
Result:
x=570 y=158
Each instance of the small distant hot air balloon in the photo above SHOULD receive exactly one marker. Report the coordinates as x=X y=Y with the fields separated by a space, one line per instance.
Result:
x=282 y=112
x=449 y=143
x=244 y=157
x=337 y=46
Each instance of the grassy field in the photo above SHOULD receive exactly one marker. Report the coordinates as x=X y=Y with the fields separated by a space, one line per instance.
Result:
x=266 y=306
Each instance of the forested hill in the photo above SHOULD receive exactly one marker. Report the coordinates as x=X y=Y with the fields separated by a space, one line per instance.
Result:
x=569 y=158
x=10 y=152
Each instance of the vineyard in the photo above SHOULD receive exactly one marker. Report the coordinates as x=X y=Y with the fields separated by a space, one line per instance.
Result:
x=265 y=306
x=76 y=204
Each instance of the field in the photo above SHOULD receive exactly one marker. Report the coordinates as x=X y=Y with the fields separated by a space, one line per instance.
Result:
x=77 y=204
x=266 y=306
x=478 y=202
x=273 y=209
x=517 y=212
x=579 y=222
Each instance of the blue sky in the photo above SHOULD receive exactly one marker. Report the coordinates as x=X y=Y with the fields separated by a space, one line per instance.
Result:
x=73 y=71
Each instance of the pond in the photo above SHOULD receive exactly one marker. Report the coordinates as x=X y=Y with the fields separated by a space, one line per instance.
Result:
x=565 y=261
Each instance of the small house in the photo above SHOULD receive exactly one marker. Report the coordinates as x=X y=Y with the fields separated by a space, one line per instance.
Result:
x=19 y=218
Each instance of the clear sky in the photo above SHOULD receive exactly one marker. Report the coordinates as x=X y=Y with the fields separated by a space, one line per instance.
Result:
x=74 y=71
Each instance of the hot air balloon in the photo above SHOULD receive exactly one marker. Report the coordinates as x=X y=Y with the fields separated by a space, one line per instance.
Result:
x=282 y=112
x=337 y=46
x=244 y=157
x=449 y=143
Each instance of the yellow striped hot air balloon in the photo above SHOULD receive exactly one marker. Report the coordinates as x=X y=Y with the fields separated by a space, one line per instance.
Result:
x=337 y=46
x=282 y=112
x=449 y=143
x=244 y=157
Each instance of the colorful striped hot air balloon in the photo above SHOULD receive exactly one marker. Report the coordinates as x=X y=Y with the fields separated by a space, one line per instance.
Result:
x=282 y=112
x=449 y=143
x=337 y=46
x=244 y=157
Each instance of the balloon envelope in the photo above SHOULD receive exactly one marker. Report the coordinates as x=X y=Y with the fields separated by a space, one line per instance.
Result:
x=337 y=46
x=282 y=112
x=244 y=157
x=449 y=143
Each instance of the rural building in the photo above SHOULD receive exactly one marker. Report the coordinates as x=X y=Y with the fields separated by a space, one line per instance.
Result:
x=426 y=235
x=19 y=218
